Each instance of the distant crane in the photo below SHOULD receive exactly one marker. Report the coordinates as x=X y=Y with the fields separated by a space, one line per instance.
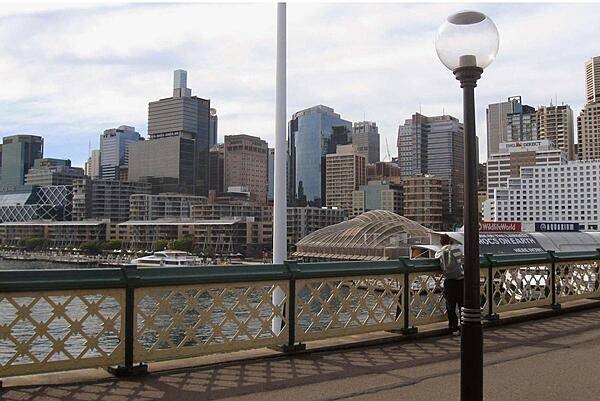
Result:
x=387 y=157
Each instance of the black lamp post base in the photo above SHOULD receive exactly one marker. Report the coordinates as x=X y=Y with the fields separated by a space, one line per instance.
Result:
x=129 y=371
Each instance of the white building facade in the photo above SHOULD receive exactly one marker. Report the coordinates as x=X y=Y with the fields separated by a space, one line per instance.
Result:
x=512 y=156
x=566 y=192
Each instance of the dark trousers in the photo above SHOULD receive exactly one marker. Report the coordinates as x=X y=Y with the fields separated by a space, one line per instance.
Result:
x=454 y=294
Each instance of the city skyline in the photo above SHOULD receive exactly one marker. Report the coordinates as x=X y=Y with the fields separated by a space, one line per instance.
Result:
x=364 y=71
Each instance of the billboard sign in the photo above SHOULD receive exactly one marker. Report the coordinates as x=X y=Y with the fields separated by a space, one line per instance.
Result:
x=499 y=226
x=548 y=226
x=508 y=243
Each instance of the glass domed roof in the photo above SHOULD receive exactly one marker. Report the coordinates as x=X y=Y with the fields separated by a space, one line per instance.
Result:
x=369 y=236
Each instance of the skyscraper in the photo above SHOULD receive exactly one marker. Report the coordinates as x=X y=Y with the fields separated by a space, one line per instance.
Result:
x=18 y=154
x=271 y=174
x=592 y=80
x=176 y=154
x=588 y=121
x=246 y=164
x=216 y=161
x=365 y=138
x=310 y=133
x=496 y=119
x=213 y=128
x=588 y=132
x=92 y=166
x=521 y=124
x=48 y=171
x=423 y=200
x=435 y=146
x=114 y=150
x=345 y=172
x=555 y=123
x=509 y=122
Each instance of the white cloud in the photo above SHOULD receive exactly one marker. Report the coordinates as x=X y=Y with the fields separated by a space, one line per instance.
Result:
x=71 y=71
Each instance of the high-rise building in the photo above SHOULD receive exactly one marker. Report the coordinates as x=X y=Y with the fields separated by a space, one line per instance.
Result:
x=588 y=132
x=271 y=174
x=52 y=172
x=377 y=196
x=384 y=172
x=213 y=128
x=92 y=165
x=592 y=80
x=423 y=196
x=18 y=153
x=521 y=123
x=114 y=150
x=496 y=119
x=435 y=146
x=310 y=136
x=216 y=161
x=510 y=121
x=104 y=199
x=566 y=192
x=167 y=163
x=512 y=156
x=345 y=173
x=555 y=123
x=365 y=138
x=161 y=206
x=588 y=121
x=176 y=154
x=246 y=165
x=302 y=221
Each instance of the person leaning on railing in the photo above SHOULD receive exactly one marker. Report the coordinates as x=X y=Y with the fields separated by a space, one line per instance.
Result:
x=451 y=262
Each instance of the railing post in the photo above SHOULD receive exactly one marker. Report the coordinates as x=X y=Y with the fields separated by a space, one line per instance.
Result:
x=555 y=305
x=407 y=329
x=128 y=369
x=490 y=290
x=292 y=267
x=597 y=287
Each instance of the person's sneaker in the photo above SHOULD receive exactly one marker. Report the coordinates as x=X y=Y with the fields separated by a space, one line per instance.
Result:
x=456 y=333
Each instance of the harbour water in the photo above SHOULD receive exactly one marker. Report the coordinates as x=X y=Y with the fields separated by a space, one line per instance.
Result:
x=6 y=264
x=58 y=329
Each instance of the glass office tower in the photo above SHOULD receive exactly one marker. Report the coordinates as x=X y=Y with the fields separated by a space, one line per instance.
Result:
x=309 y=140
x=17 y=154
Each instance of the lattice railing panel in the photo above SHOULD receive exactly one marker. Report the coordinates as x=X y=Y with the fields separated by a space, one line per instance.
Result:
x=60 y=330
x=427 y=302
x=578 y=279
x=426 y=298
x=330 y=307
x=186 y=321
x=519 y=287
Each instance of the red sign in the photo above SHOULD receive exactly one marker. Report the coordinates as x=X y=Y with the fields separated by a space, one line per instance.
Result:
x=500 y=226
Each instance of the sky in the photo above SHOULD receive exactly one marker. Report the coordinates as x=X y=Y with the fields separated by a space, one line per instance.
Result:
x=69 y=72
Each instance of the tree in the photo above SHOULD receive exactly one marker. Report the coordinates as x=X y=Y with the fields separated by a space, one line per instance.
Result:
x=91 y=247
x=34 y=243
x=111 y=245
x=209 y=251
x=160 y=244
x=185 y=244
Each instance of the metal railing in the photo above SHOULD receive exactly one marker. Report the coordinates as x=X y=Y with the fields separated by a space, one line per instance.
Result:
x=54 y=320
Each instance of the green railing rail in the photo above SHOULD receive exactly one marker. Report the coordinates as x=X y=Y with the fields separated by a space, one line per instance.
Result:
x=320 y=300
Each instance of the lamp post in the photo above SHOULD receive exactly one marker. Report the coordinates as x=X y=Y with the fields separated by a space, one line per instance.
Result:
x=466 y=43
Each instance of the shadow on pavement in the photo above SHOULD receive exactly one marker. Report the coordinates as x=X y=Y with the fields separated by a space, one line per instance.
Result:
x=215 y=382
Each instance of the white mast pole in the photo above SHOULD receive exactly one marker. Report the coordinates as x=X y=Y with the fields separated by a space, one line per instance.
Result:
x=280 y=189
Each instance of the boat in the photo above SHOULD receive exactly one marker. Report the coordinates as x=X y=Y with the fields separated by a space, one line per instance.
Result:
x=167 y=258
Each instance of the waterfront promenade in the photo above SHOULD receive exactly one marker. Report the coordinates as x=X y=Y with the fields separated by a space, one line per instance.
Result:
x=552 y=359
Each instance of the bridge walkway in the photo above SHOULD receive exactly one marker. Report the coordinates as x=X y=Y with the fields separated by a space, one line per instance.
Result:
x=556 y=358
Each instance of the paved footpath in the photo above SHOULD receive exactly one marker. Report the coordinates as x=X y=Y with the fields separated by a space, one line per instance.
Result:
x=552 y=359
